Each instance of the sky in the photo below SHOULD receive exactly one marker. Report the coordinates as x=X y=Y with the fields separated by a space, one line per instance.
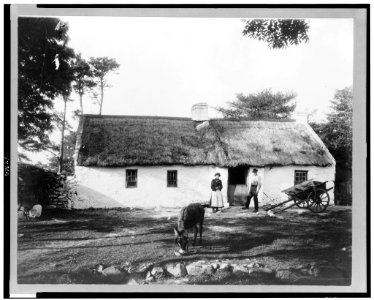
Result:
x=169 y=64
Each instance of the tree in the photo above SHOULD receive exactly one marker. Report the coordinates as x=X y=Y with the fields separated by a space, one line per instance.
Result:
x=68 y=159
x=262 y=105
x=101 y=66
x=43 y=73
x=277 y=33
x=83 y=78
x=336 y=133
x=66 y=99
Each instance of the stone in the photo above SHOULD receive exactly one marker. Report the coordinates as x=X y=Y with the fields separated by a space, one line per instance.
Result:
x=266 y=270
x=178 y=270
x=240 y=268
x=149 y=277
x=157 y=271
x=208 y=269
x=100 y=268
x=286 y=275
x=253 y=265
x=194 y=270
x=226 y=267
x=112 y=270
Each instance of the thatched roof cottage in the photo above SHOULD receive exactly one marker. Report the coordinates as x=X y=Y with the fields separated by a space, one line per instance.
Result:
x=166 y=161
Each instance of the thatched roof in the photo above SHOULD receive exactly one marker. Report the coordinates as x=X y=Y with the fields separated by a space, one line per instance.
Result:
x=132 y=140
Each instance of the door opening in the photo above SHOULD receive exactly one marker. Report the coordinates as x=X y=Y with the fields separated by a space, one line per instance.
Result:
x=237 y=188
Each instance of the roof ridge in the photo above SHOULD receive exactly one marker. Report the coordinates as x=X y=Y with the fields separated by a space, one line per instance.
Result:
x=134 y=117
x=185 y=118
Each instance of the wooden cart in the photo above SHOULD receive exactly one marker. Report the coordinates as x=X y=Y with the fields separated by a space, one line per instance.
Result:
x=309 y=194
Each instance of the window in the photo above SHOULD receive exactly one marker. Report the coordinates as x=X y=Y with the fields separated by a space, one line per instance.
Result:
x=301 y=176
x=172 y=178
x=131 y=178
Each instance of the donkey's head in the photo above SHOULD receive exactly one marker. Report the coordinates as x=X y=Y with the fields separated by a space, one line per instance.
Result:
x=181 y=240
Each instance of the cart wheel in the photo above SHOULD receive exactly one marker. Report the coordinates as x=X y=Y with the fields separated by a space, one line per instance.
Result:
x=302 y=203
x=319 y=200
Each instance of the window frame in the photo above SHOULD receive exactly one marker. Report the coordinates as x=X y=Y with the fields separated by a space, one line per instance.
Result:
x=298 y=172
x=127 y=178
x=168 y=179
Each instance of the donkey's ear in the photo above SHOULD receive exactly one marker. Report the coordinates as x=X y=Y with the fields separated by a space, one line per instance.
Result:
x=176 y=231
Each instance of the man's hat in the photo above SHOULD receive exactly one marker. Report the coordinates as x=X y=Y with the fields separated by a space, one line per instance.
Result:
x=254 y=170
x=217 y=174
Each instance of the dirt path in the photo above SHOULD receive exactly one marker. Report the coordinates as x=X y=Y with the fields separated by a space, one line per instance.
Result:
x=137 y=246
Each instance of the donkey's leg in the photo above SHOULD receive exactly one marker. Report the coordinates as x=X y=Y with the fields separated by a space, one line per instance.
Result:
x=201 y=231
x=195 y=235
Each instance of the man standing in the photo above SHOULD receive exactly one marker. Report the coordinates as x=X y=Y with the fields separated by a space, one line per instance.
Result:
x=254 y=186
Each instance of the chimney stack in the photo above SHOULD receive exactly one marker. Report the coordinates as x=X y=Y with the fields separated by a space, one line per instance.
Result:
x=200 y=112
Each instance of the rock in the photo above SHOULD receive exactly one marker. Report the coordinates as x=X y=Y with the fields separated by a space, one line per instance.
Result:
x=194 y=270
x=253 y=265
x=266 y=270
x=208 y=269
x=226 y=267
x=112 y=270
x=287 y=275
x=178 y=270
x=149 y=277
x=157 y=271
x=240 y=268
x=100 y=268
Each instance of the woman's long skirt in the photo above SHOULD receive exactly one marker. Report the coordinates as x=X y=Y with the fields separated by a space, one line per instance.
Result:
x=216 y=199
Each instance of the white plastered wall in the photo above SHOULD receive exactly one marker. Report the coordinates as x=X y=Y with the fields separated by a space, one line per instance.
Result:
x=106 y=187
x=277 y=179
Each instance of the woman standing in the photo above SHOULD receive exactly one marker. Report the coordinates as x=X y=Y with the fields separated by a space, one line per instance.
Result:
x=216 y=197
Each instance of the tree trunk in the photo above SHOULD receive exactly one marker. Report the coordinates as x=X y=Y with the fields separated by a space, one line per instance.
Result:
x=102 y=96
x=81 y=102
x=63 y=135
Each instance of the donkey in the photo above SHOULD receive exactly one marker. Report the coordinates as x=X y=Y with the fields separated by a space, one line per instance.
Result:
x=189 y=217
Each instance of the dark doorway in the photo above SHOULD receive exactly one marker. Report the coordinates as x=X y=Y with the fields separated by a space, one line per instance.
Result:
x=237 y=188
x=238 y=175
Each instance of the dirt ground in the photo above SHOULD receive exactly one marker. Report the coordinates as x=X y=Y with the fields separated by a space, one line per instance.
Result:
x=75 y=246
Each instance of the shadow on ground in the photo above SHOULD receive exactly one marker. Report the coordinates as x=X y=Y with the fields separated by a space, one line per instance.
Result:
x=66 y=246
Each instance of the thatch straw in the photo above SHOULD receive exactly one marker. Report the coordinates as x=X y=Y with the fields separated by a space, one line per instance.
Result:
x=130 y=140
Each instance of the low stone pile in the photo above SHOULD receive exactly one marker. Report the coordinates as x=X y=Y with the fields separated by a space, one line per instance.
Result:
x=49 y=189
x=252 y=271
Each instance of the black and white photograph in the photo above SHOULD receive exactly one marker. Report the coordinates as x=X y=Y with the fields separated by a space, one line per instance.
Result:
x=178 y=149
